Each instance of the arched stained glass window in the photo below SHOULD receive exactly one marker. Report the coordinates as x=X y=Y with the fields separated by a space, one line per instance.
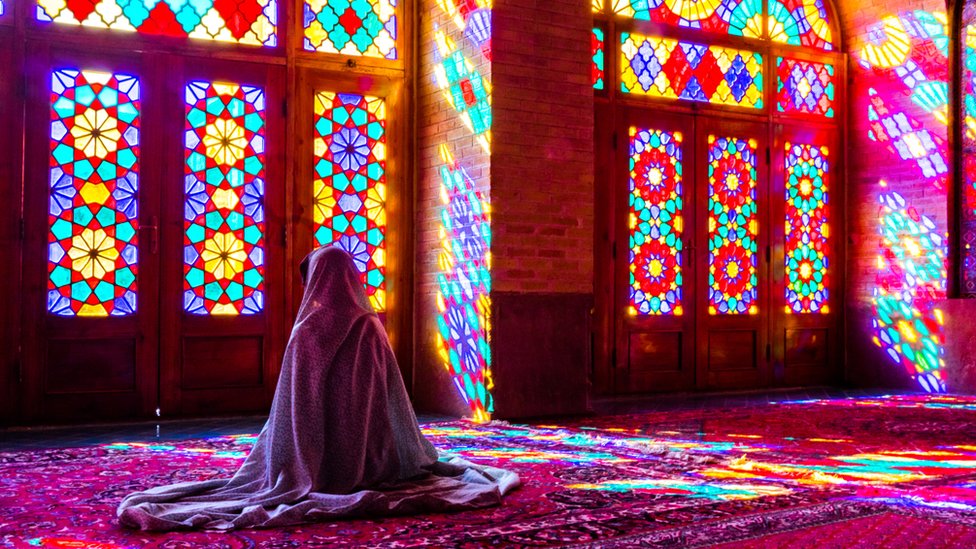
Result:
x=253 y=22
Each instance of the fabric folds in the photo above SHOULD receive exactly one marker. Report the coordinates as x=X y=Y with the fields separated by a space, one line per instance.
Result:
x=342 y=439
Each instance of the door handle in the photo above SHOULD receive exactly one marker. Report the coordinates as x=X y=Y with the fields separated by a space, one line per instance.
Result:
x=153 y=229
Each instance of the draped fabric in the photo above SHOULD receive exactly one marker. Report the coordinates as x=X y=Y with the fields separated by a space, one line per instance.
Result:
x=342 y=439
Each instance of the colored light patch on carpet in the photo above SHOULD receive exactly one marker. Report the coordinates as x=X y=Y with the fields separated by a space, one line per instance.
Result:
x=705 y=475
x=933 y=402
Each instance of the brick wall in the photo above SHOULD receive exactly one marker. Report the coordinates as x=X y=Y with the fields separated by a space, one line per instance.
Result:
x=868 y=163
x=542 y=157
x=539 y=177
x=438 y=123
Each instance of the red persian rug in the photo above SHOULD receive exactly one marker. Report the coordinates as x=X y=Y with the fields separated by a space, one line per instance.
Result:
x=894 y=471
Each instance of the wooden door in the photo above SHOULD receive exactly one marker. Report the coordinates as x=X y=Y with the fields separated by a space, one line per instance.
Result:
x=91 y=248
x=806 y=275
x=654 y=265
x=732 y=306
x=10 y=228
x=222 y=300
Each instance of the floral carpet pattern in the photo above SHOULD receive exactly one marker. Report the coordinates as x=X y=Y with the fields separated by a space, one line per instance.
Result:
x=881 y=471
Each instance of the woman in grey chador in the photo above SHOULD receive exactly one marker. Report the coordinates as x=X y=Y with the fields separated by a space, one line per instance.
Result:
x=342 y=439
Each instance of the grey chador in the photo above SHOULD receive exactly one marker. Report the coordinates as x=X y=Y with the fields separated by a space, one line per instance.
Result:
x=342 y=439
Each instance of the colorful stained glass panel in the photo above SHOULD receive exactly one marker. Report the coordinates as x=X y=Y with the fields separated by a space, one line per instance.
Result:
x=350 y=183
x=733 y=226
x=800 y=23
x=241 y=21
x=804 y=87
x=662 y=67
x=656 y=222
x=94 y=178
x=351 y=27
x=224 y=181
x=735 y=17
x=597 y=48
x=807 y=252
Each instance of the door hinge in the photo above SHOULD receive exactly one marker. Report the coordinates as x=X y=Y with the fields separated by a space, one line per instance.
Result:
x=284 y=237
x=284 y=108
x=22 y=229
x=769 y=253
x=768 y=156
x=614 y=140
x=613 y=251
x=613 y=357
x=769 y=351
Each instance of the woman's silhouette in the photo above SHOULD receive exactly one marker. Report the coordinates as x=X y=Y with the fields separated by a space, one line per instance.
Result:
x=342 y=439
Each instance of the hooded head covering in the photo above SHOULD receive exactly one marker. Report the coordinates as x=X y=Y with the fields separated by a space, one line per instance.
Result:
x=332 y=282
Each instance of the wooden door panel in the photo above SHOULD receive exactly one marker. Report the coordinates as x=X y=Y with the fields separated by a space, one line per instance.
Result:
x=655 y=323
x=805 y=296
x=222 y=299
x=10 y=241
x=89 y=263
x=732 y=218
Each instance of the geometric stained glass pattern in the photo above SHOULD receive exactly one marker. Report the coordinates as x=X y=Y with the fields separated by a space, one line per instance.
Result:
x=241 y=21
x=596 y=50
x=351 y=27
x=350 y=183
x=800 y=23
x=734 y=17
x=464 y=89
x=807 y=230
x=662 y=67
x=656 y=222
x=907 y=138
x=464 y=287
x=733 y=226
x=94 y=178
x=908 y=323
x=804 y=87
x=224 y=184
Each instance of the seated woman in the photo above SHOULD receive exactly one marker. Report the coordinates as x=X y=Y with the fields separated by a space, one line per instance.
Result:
x=342 y=439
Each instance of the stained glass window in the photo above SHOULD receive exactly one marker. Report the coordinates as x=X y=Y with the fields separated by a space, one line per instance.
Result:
x=733 y=226
x=804 y=87
x=241 y=21
x=800 y=23
x=807 y=230
x=596 y=49
x=662 y=67
x=351 y=27
x=597 y=6
x=656 y=222
x=735 y=17
x=94 y=178
x=223 y=245
x=350 y=183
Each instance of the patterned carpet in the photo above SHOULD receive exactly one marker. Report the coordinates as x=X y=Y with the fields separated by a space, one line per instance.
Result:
x=897 y=471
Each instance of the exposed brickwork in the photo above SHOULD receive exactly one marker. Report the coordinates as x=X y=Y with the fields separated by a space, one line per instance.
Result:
x=867 y=164
x=438 y=124
x=539 y=175
x=542 y=157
